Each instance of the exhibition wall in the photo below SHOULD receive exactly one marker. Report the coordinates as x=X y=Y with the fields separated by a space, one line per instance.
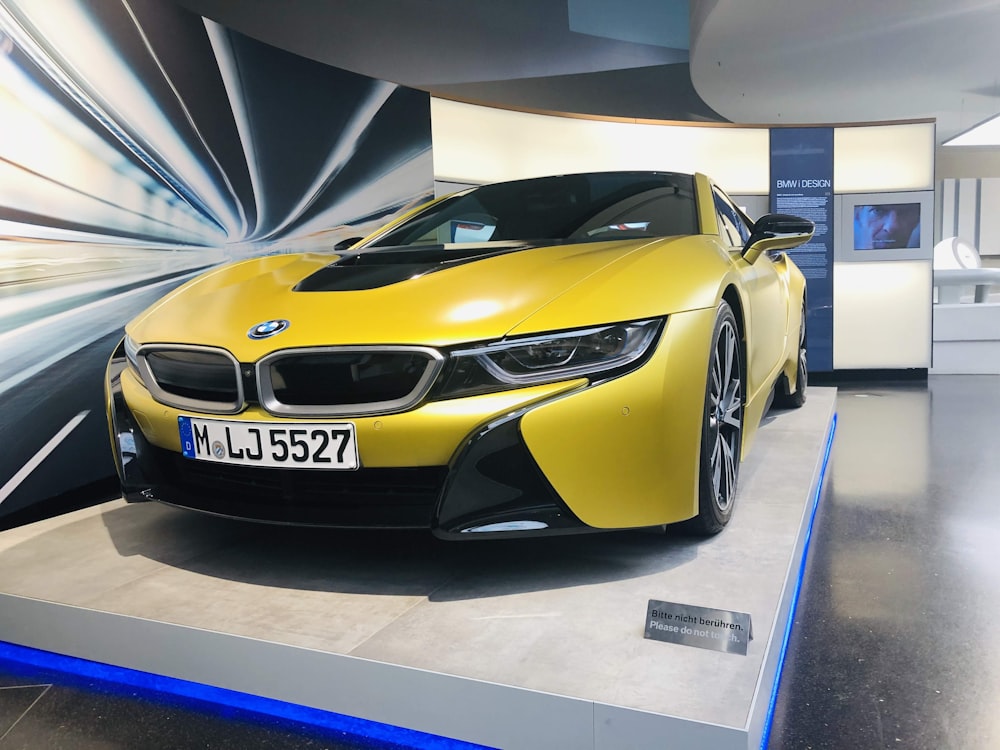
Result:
x=968 y=210
x=475 y=144
x=141 y=145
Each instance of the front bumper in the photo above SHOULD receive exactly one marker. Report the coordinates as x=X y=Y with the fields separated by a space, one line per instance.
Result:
x=554 y=459
x=493 y=487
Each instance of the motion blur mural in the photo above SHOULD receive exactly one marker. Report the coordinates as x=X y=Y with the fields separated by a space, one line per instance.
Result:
x=139 y=145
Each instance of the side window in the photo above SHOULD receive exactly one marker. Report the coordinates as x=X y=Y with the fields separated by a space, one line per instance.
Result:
x=732 y=223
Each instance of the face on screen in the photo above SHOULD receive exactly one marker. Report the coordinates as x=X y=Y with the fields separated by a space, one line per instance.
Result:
x=887 y=226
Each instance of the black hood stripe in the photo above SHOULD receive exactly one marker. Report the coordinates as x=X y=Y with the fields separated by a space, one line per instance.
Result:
x=374 y=268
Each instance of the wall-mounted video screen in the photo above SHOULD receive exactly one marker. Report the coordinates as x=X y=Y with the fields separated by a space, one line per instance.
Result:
x=886 y=226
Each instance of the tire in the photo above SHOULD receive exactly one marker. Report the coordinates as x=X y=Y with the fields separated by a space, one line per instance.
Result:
x=783 y=397
x=722 y=427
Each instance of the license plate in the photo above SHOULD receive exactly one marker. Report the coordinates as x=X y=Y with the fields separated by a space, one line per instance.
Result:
x=279 y=445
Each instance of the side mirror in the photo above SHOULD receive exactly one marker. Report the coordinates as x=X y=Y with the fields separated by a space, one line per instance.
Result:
x=346 y=244
x=777 y=232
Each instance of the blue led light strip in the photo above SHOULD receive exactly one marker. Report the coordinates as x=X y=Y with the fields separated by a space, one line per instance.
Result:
x=397 y=737
x=766 y=736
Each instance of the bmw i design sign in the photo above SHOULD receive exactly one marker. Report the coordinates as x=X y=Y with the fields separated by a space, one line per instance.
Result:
x=267 y=329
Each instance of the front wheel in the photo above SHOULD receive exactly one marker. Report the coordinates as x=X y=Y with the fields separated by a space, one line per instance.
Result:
x=722 y=427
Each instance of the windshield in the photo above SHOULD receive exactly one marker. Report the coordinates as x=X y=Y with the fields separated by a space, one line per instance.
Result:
x=568 y=208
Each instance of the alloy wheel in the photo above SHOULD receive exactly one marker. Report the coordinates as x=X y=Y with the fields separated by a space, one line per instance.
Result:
x=725 y=415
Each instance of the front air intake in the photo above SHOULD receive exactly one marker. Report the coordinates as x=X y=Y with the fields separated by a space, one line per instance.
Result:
x=339 y=381
x=192 y=377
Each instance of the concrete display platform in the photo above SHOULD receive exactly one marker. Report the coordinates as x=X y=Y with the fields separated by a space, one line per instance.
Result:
x=533 y=643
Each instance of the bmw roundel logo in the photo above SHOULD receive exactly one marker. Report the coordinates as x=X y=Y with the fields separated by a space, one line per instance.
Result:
x=267 y=328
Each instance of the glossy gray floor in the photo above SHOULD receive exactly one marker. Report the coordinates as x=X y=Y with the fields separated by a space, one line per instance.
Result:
x=893 y=645
x=895 y=638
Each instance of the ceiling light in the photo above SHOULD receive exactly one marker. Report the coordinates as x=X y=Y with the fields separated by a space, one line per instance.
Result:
x=986 y=133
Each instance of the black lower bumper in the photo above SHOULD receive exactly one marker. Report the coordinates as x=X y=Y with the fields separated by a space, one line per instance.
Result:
x=493 y=487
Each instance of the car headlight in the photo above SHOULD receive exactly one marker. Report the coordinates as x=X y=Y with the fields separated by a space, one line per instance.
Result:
x=601 y=351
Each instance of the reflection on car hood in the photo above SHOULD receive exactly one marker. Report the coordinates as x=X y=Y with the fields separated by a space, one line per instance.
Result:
x=460 y=301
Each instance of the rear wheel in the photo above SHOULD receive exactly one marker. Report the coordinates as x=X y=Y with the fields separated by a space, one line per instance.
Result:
x=783 y=397
x=722 y=427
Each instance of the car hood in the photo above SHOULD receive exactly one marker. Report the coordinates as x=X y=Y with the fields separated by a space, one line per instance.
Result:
x=432 y=296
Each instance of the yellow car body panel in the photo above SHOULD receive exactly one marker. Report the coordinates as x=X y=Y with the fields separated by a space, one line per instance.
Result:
x=472 y=302
x=638 y=427
x=796 y=291
x=656 y=286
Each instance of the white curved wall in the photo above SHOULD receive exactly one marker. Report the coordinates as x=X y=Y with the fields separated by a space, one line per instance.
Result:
x=474 y=144
x=880 y=158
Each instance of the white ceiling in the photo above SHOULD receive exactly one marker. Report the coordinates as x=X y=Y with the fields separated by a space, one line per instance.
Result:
x=780 y=61
x=815 y=62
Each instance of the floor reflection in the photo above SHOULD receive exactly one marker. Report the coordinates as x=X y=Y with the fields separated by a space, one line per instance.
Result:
x=893 y=644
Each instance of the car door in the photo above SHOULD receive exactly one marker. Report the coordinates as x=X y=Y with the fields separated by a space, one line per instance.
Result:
x=768 y=294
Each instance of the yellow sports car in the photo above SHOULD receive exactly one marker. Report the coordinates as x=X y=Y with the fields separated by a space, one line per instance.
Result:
x=543 y=356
